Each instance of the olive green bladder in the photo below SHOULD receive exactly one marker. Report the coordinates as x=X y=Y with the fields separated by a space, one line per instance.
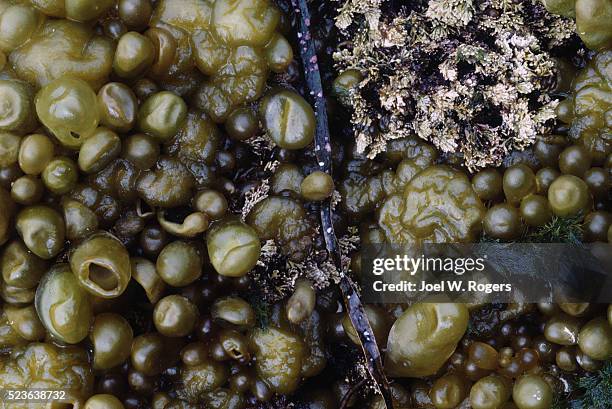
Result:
x=424 y=337
x=140 y=149
x=595 y=339
x=118 y=107
x=111 y=336
x=102 y=265
x=345 y=82
x=18 y=24
x=135 y=13
x=490 y=392
x=68 y=107
x=288 y=118
x=103 y=401
x=27 y=190
x=532 y=392
x=60 y=175
x=64 y=307
x=144 y=272
x=569 y=195
x=279 y=355
x=18 y=112
x=174 y=316
x=279 y=53
x=193 y=224
x=233 y=312
x=147 y=353
x=161 y=115
x=301 y=304
x=80 y=220
x=179 y=263
x=317 y=186
x=211 y=202
x=102 y=146
x=233 y=247
x=9 y=148
x=20 y=267
x=135 y=53
x=42 y=230
x=25 y=321
x=35 y=152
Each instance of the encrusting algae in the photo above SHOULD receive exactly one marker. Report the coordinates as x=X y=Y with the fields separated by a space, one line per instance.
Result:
x=473 y=78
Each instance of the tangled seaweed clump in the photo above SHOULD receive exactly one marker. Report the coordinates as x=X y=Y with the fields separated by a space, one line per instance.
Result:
x=474 y=78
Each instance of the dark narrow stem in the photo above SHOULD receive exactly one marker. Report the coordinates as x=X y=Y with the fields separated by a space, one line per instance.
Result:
x=347 y=398
x=323 y=152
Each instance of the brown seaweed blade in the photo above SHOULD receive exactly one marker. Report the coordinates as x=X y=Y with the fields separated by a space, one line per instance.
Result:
x=323 y=153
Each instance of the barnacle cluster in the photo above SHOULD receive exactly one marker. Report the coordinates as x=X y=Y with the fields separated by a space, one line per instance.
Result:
x=474 y=78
